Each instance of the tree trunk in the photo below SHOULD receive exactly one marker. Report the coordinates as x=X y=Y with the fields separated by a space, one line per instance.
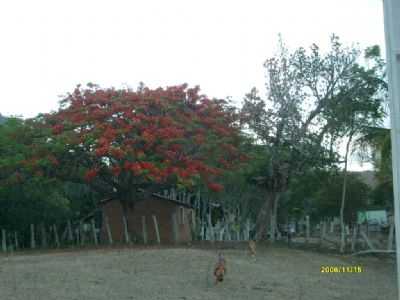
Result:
x=342 y=227
x=267 y=216
x=263 y=219
x=274 y=216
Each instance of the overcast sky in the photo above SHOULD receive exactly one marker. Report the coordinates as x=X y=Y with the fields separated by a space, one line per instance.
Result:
x=48 y=47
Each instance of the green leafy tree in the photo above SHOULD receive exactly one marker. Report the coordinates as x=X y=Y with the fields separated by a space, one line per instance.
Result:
x=298 y=121
x=26 y=196
x=375 y=146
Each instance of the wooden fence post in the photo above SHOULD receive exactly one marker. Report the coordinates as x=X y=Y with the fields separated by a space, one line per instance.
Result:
x=94 y=232
x=81 y=233
x=4 y=240
x=56 y=238
x=174 y=227
x=43 y=235
x=247 y=235
x=77 y=235
x=210 y=228
x=193 y=219
x=391 y=234
x=110 y=239
x=156 y=229
x=144 y=229
x=369 y=243
x=228 y=231
x=69 y=230
x=354 y=239
x=221 y=233
x=332 y=224
x=33 y=242
x=321 y=231
x=202 y=229
x=126 y=233
x=16 y=240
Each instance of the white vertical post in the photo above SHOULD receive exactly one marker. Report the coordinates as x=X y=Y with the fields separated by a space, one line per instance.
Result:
x=247 y=235
x=108 y=229
x=94 y=232
x=193 y=219
x=221 y=233
x=43 y=235
x=210 y=227
x=321 y=231
x=392 y=34
x=144 y=229
x=16 y=240
x=4 y=240
x=332 y=228
x=56 y=238
x=33 y=242
x=156 y=228
x=82 y=233
x=69 y=228
x=307 y=228
x=354 y=239
x=126 y=232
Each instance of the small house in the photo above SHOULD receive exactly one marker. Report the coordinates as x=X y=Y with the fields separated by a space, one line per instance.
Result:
x=157 y=218
x=374 y=218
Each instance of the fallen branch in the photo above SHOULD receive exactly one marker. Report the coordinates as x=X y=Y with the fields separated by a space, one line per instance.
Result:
x=330 y=241
x=373 y=251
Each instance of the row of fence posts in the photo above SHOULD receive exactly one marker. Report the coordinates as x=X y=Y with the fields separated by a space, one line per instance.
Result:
x=83 y=233
x=358 y=233
x=224 y=231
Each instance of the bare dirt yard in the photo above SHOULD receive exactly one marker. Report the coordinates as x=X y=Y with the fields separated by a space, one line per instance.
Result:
x=186 y=273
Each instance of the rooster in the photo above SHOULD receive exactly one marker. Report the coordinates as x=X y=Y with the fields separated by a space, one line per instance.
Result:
x=220 y=269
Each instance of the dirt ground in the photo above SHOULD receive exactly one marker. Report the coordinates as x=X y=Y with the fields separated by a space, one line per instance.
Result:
x=186 y=273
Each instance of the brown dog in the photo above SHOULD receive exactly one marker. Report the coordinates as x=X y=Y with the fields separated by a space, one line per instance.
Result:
x=220 y=269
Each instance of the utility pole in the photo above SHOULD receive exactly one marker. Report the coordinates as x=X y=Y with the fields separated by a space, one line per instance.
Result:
x=392 y=35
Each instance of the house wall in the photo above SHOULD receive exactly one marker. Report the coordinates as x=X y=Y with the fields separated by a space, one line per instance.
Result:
x=162 y=209
x=113 y=210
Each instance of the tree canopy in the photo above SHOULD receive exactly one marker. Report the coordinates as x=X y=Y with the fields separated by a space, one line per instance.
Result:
x=118 y=141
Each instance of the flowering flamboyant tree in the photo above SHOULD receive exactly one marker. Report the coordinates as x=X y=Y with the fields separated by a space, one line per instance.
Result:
x=119 y=141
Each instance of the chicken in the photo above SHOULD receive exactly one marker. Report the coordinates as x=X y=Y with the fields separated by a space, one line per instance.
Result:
x=252 y=247
x=220 y=269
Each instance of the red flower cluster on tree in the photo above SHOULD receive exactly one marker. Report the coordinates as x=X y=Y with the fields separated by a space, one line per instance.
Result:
x=155 y=135
x=116 y=171
x=117 y=153
x=57 y=129
x=89 y=175
x=215 y=187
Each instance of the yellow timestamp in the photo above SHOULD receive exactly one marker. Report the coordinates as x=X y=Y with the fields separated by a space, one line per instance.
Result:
x=342 y=269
